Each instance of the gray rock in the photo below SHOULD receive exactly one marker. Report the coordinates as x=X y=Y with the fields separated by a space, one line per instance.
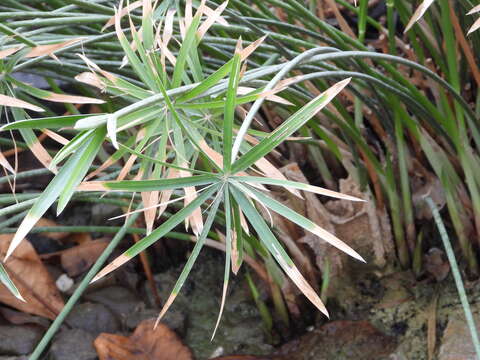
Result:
x=119 y=300
x=18 y=340
x=74 y=344
x=241 y=329
x=13 y=358
x=93 y=318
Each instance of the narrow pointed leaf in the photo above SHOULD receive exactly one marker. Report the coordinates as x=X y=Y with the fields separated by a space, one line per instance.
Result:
x=474 y=27
x=9 y=51
x=156 y=234
x=59 y=183
x=50 y=49
x=229 y=111
x=296 y=185
x=88 y=153
x=13 y=102
x=418 y=13
x=54 y=122
x=288 y=127
x=192 y=258
x=51 y=96
x=300 y=220
x=275 y=248
x=228 y=253
x=5 y=279
x=4 y=162
x=161 y=184
x=187 y=45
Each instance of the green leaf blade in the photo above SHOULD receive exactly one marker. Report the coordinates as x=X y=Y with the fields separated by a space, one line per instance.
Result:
x=287 y=128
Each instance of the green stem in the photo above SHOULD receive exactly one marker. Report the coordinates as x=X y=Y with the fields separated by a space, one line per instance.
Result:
x=456 y=275
x=81 y=288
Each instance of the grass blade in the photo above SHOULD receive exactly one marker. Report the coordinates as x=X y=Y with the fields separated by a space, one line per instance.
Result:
x=456 y=275
x=295 y=185
x=300 y=221
x=156 y=234
x=193 y=257
x=288 y=127
x=269 y=240
x=5 y=279
x=153 y=185
x=13 y=102
x=61 y=183
x=229 y=110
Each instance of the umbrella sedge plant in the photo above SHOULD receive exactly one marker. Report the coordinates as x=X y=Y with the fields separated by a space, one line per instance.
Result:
x=180 y=128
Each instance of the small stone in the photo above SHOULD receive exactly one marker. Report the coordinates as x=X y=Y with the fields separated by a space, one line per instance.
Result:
x=93 y=318
x=118 y=299
x=64 y=283
x=74 y=344
x=18 y=340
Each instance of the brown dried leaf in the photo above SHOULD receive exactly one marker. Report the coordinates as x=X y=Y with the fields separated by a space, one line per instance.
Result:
x=4 y=162
x=150 y=200
x=122 y=13
x=166 y=194
x=146 y=343
x=78 y=259
x=72 y=99
x=195 y=219
x=212 y=17
x=50 y=49
x=39 y=151
x=474 y=10
x=32 y=279
x=474 y=27
x=418 y=13
x=13 y=102
x=9 y=51
x=91 y=79
x=54 y=136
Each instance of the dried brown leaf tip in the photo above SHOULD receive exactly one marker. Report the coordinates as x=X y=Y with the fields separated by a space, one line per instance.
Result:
x=14 y=102
x=6 y=52
x=418 y=13
x=50 y=49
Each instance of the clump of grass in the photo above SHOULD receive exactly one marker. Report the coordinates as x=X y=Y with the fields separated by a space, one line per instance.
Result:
x=171 y=80
x=177 y=123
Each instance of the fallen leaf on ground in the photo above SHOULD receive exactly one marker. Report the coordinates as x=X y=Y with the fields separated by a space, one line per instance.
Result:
x=78 y=259
x=146 y=343
x=32 y=280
